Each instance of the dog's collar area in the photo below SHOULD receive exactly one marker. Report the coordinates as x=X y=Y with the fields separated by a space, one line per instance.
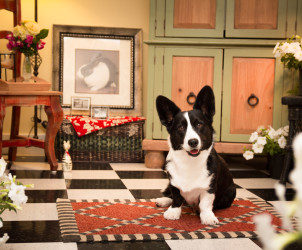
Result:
x=194 y=152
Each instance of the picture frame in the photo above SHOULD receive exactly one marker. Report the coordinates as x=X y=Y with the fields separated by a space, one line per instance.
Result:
x=99 y=112
x=80 y=105
x=102 y=63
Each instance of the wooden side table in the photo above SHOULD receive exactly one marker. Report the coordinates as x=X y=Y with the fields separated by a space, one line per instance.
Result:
x=51 y=101
x=294 y=104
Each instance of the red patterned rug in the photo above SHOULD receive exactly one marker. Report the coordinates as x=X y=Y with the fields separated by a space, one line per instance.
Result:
x=125 y=220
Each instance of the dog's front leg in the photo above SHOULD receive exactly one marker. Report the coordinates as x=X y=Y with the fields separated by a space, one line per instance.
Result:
x=174 y=211
x=206 y=209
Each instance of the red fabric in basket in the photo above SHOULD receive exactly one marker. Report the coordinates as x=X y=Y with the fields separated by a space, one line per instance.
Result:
x=86 y=125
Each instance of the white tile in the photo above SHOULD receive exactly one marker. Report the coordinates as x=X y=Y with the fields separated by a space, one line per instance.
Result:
x=212 y=244
x=32 y=212
x=99 y=194
x=145 y=183
x=245 y=194
x=256 y=183
x=91 y=174
x=132 y=167
x=30 y=166
x=39 y=246
x=44 y=184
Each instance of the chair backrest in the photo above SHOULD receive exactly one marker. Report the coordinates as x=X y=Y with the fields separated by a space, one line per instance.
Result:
x=15 y=7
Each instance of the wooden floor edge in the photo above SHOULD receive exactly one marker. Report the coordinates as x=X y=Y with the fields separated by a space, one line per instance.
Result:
x=221 y=147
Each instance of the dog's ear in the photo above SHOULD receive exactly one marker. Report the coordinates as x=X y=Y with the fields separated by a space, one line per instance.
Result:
x=166 y=110
x=205 y=102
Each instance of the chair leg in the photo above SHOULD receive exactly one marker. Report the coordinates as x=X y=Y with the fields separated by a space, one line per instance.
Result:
x=14 y=132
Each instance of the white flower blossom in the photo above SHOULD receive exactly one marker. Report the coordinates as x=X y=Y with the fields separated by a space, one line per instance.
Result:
x=4 y=239
x=258 y=148
x=254 y=137
x=282 y=142
x=248 y=155
x=298 y=55
x=272 y=133
x=17 y=194
x=2 y=166
x=261 y=140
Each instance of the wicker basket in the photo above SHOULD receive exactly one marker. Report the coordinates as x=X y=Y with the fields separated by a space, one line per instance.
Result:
x=121 y=143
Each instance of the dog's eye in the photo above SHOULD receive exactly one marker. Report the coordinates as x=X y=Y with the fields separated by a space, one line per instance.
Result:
x=199 y=125
x=181 y=128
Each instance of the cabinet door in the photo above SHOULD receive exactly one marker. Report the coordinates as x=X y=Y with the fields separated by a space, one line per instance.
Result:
x=194 y=18
x=256 y=18
x=185 y=71
x=250 y=74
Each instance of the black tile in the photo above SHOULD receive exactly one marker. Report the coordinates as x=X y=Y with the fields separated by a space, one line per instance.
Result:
x=142 y=174
x=249 y=174
x=94 y=184
x=37 y=174
x=88 y=165
x=146 y=194
x=45 y=196
x=31 y=231
x=140 y=245
x=31 y=158
x=269 y=194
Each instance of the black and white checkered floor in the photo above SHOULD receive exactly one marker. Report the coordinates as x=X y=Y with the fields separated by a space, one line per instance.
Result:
x=37 y=226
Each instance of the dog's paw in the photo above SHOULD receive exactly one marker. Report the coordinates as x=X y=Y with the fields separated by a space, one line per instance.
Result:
x=208 y=218
x=173 y=213
x=163 y=202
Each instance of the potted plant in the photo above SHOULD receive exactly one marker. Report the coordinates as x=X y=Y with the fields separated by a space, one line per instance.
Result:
x=272 y=143
x=291 y=56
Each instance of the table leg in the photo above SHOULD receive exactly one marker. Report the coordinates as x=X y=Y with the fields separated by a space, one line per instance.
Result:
x=55 y=117
x=2 y=115
x=14 y=131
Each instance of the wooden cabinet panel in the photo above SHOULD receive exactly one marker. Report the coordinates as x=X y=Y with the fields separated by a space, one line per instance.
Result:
x=252 y=76
x=194 y=18
x=256 y=14
x=194 y=14
x=256 y=18
x=189 y=75
x=248 y=72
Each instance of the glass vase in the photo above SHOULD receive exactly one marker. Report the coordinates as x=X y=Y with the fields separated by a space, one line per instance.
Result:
x=26 y=71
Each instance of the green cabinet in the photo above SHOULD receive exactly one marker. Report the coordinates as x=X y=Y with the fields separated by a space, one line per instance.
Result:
x=234 y=57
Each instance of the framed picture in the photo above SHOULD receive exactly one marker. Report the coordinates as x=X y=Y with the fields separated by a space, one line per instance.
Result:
x=80 y=103
x=104 y=64
x=99 y=112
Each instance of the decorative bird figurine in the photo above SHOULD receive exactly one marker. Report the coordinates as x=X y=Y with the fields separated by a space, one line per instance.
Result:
x=66 y=160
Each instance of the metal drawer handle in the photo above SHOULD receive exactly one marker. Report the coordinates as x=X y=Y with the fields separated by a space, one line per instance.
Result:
x=190 y=96
x=254 y=103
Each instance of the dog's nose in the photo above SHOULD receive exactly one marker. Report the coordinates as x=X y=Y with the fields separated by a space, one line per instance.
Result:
x=193 y=143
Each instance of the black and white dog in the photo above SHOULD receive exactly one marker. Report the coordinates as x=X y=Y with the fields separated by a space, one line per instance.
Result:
x=197 y=174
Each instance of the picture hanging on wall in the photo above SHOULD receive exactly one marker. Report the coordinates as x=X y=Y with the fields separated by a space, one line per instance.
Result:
x=104 y=64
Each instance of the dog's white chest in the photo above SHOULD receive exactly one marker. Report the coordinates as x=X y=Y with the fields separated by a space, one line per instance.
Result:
x=189 y=174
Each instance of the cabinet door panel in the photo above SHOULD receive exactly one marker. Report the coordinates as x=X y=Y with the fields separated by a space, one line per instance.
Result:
x=194 y=18
x=256 y=18
x=188 y=70
x=189 y=74
x=252 y=76
x=246 y=73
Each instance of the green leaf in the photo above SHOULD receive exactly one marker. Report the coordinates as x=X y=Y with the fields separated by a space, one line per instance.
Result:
x=43 y=34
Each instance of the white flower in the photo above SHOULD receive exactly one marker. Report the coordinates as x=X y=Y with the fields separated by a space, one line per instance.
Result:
x=2 y=166
x=248 y=155
x=282 y=142
x=291 y=48
x=4 y=239
x=272 y=133
x=32 y=27
x=298 y=55
x=276 y=48
x=17 y=194
x=258 y=148
x=285 y=130
x=261 y=140
x=254 y=137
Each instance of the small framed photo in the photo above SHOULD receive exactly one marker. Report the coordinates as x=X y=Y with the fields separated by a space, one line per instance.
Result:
x=99 y=112
x=80 y=103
